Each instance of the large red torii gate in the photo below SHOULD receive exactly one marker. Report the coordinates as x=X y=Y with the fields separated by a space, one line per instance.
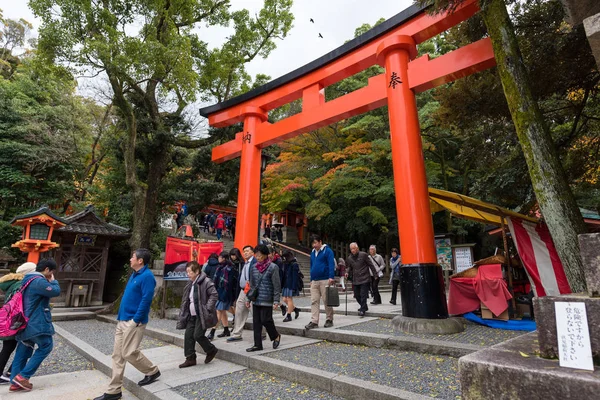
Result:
x=392 y=45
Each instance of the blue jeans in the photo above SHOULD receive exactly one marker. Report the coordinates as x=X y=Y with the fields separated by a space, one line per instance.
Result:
x=27 y=361
x=219 y=233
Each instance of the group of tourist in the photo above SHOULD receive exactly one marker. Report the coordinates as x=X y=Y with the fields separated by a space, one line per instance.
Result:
x=258 y=280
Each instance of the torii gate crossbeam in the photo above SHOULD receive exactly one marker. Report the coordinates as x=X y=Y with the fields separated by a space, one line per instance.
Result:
x=392 y=45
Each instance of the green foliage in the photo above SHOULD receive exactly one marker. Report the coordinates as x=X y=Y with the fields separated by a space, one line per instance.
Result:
x=157 y=64
x=46 y=129
x=342 y=176
x=8 y=235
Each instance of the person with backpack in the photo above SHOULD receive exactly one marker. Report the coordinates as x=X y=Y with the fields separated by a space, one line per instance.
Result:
x=290 y=284
x=198 y=313
x=219 y=226
x=39 y=287
x=9 y=284
x=225 y=282
x=210 y=268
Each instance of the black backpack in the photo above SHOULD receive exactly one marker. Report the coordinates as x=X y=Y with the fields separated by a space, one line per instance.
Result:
x=300 y=281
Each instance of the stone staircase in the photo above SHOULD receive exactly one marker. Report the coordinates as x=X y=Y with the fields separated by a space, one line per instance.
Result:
x=303 y=262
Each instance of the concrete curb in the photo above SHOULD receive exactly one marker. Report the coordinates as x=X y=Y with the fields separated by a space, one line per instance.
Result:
x=338 y=384
x=336 y=311
x=72 y=316
x=406 y=343
x=103 y=363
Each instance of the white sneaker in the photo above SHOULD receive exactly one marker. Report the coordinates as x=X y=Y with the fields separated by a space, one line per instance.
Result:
x=4 y=378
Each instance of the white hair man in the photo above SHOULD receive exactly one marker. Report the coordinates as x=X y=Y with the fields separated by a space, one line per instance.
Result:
x=376 y=275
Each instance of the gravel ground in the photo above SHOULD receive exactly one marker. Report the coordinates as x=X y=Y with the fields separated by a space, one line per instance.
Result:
x=247 y=384
x=63 y=358
x=101 y=335
x=473 y=334
x=430 y=375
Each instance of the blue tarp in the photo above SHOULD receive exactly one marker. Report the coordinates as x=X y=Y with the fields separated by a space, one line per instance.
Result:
x=511 y=325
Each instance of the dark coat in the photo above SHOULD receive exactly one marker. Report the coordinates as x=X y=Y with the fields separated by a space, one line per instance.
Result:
x=205 y=298
x=211 y=268
x=290 y=277
x=226 y=281
x=358 y=267
x=36 y=303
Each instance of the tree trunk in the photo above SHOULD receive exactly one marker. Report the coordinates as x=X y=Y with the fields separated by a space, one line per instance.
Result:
x=549 y=181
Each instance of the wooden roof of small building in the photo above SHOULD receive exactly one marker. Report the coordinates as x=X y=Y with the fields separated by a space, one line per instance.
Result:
x=87 y=222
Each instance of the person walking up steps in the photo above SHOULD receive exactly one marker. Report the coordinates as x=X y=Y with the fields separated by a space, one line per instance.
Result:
x=41 y=287
x=322 y=274
x=198 y=313
x=133 y=318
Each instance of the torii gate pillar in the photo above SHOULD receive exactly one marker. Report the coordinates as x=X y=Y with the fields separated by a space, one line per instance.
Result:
x=249 y=185
x=422 y=283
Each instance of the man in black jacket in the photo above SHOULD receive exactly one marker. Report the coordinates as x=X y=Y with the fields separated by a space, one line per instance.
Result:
x=357 y=267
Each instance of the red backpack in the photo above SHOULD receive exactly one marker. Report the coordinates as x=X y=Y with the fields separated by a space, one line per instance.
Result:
x=12 y=315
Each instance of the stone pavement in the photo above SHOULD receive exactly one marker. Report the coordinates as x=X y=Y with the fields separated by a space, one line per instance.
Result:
x=76 y=385
x=357 y=358
x=207 y=381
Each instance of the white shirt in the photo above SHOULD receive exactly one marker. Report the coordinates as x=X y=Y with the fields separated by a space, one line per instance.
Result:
x=245 y=273
x=193 y=312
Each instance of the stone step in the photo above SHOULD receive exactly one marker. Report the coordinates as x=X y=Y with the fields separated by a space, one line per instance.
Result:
x=338 y=384
x=72 y=316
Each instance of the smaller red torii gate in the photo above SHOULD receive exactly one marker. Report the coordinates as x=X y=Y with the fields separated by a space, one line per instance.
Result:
x=392 y=45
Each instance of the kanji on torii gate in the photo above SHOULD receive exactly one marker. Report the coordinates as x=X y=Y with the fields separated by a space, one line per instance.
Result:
x=392 y=45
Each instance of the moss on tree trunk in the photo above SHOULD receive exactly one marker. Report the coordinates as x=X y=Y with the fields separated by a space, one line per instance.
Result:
x=549 y=181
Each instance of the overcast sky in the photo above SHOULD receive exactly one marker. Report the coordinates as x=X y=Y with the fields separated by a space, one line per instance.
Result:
x=336 y=20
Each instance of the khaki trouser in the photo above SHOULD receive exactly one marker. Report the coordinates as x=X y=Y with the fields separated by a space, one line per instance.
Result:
x=127 y=350
x=241 y=315
x=318 y=290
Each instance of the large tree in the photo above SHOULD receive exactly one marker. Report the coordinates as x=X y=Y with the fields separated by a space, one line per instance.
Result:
x=548 y=177
x=152 y=53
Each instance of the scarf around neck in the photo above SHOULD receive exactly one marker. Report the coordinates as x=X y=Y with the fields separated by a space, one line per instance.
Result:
x=262 y=265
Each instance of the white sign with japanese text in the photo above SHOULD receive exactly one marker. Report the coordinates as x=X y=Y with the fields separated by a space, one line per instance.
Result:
x=573 y=336
x=463 y=258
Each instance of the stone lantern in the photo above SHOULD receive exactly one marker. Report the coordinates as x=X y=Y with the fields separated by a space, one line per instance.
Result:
x=37 y=232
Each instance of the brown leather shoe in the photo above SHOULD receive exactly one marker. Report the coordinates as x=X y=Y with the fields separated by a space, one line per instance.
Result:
x=210 y=356
x=189 y=362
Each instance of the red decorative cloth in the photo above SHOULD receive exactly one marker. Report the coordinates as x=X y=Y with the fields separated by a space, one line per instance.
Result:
x=488 y=287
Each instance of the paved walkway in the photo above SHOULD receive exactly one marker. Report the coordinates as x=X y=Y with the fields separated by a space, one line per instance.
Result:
x=217 y=380
x=76 y=385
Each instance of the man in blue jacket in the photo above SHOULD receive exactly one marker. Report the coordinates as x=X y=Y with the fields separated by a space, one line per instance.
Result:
x=39 y=329
x=322 y=270
x=133 y=317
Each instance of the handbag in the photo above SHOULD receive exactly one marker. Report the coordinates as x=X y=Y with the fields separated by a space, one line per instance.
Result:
x=252 y=294
x=332 y=297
